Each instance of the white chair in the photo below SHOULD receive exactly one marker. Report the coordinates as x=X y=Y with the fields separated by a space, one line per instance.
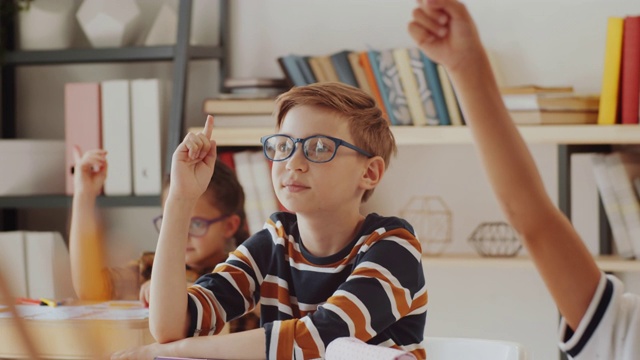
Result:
x=444 y=348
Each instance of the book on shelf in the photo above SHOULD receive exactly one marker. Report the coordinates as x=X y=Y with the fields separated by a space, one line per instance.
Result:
x=410 y=85
x=292 y=71
x=249 y=182
x=374 y=60
x=608 y=114
x=227 y=106
x=398 y=107
x=450 y=97
x=359 y=73
x=82 y=118
x=13 y=261
x=435 y=86
x=340 y=62
x=612 y=206
x=116 y=136
x=146 y=120
x=370 y=74
x=630 y=78
x=533 y=100
x=622 y=167
x=544 y=117
x=424 y=92
x=328 y=69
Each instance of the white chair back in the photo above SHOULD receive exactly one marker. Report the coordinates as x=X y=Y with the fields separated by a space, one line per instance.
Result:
x=443 y=348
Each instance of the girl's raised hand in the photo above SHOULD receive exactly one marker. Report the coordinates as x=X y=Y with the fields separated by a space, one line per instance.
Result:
x=445 y=32
x=193 y=163
x=89 y=171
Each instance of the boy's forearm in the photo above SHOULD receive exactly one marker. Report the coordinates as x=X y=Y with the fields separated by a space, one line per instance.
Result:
x=168 y=300
x=250 y=344
x=86 y=250
x=509 y=165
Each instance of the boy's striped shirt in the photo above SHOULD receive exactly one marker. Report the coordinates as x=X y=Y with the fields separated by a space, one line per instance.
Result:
x=373 y=289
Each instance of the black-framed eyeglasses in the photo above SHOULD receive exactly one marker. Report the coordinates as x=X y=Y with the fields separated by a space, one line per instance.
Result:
x=198 y=226
x=316 y=148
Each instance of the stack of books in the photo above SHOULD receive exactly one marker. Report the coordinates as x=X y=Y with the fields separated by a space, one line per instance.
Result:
x=538 y=105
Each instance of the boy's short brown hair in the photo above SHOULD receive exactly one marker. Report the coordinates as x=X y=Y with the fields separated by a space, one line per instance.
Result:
x=369 y=129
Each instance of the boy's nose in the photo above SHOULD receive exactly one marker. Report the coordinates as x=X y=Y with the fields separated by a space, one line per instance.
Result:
x=297 y=161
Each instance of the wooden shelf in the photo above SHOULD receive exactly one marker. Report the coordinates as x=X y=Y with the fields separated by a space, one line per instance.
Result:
x=438 y=135
x=63 y=201
x=606 y=263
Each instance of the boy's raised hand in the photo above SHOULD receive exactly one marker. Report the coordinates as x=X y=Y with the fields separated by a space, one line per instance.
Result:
x=193 y=163
x=90 y=170
x=445 y=32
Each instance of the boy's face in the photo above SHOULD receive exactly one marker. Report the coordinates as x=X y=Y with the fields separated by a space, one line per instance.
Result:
x=305 y=187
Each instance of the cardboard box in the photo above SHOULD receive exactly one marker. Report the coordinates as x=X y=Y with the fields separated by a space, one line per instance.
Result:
x=32 y=167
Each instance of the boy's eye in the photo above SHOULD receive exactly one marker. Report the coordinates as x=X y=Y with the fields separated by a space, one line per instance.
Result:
x=282 y=146
x=321 y=147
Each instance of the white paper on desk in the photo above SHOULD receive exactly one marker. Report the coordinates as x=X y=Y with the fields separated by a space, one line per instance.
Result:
x=24 y=311
x=118 y=314
x=65 y=313
x=348 y=348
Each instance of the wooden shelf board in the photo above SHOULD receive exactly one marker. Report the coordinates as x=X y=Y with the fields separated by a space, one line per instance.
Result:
x=438 y=135
x=605 y=262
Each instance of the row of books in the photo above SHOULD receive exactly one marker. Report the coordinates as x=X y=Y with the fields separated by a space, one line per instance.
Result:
x=617 y=177
x=254 y=174
x=122 y=117
x=408 y=86
x=620 y=94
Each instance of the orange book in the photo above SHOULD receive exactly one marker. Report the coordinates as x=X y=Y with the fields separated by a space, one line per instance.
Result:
x=371 y=79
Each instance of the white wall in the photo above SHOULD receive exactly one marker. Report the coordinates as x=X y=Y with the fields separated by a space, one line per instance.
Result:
x=546 y=42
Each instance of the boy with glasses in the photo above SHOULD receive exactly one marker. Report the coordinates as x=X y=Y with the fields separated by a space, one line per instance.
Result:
x=599 y=320
x=322 y=272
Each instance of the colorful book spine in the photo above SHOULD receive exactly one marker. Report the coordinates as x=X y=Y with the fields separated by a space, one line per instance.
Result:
x=395 y=91
x=433 y=80
x=365 y=60
x=410 y=86
x=374 y=60
x=358 y=72
x=630 y=71
x=426 y=95
x=450 y=97
x=608 y=113
x=342 y=66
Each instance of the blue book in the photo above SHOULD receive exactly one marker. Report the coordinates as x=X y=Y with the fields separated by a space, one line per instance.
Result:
x=433 y=81
x=374 y=59
x=292 y=71
x=342 y=65
x=303 y=64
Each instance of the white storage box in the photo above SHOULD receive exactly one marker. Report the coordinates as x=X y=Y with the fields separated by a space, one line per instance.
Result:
x=32 y=167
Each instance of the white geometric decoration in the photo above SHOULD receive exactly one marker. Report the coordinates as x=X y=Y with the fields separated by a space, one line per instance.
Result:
x=108 y=23
x=431 y=220
x=164 y=29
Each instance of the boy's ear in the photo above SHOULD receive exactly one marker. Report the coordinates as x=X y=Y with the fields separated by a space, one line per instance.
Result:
x=231 y=225
x=373 y=173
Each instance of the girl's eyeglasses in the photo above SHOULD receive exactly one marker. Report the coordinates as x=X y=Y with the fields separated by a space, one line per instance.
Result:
x=198 y=226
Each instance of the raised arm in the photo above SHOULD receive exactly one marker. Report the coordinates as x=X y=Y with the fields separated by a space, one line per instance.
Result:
x=191 y=169
x=90 y=281
x=445 y=31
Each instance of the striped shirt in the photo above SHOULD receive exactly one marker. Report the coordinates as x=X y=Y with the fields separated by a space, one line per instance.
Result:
x=373 y=289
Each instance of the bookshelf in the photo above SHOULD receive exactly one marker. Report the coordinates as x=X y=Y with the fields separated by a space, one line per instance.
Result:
x=179 y=55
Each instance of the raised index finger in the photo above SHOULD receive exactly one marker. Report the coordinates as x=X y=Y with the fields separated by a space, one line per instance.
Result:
x=208 y=127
